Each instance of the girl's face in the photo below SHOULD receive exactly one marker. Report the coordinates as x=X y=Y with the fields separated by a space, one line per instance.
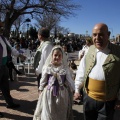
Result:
x=57 y=57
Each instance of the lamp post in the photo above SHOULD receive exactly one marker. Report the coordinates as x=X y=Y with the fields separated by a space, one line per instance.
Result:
x=27 y=30
x=113 y=38
x=27 y=21
x=111 y=30
x=86 y=33
x=20 y=34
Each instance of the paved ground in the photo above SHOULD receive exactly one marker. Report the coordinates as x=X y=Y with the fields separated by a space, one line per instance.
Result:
x=24 y=92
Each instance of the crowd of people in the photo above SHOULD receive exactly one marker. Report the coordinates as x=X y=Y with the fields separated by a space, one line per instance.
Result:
x=96 y=76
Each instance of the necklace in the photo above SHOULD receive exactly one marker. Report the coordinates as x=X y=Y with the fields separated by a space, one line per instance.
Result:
x=55 y=70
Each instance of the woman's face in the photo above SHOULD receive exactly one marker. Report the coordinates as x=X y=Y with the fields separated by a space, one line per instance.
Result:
x=57 y=57
x=64 y=48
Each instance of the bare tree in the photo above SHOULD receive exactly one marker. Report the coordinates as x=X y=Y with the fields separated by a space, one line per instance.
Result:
x=47 y=20
x=12 y=9
x=62 y=30
x=18 y=22
x=59 y=30
x=51 y=21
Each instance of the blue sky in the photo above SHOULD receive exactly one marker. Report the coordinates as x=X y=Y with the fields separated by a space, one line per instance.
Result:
x=92 y=12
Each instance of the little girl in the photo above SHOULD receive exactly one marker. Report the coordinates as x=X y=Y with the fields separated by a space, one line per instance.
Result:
x=56 y=89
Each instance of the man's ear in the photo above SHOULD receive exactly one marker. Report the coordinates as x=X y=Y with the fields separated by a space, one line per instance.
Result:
x=109 y=33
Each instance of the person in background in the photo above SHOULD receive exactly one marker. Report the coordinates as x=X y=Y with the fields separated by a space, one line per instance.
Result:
x=56 y=88
x=65 y=50
x=12 y=67
x=42 y=51
x=23 y=52
x=73 y=68
x=85 y=48
x=5 y=52
x=18 y=48
x=98 y=73
x=11 y=63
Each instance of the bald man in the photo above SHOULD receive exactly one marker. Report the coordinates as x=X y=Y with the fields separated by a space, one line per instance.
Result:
x=99 y=75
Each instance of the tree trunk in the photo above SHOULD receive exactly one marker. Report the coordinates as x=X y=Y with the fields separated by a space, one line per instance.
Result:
x=6 y=31
x=7 y=26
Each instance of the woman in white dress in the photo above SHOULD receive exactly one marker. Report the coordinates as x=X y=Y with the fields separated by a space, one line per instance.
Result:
x=56 y=89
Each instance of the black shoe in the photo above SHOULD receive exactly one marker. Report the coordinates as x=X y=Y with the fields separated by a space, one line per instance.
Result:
x=13 y=106
x=1 y=115
x=11 y=80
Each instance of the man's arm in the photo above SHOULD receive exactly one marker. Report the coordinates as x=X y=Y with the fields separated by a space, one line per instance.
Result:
x=79 y=80
x=15 y=52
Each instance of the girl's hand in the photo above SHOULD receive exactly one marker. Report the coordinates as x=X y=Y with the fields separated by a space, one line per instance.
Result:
x=77 y=96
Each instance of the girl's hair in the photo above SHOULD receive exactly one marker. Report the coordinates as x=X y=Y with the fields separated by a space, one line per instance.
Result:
x=57 y=49
x=49 y=58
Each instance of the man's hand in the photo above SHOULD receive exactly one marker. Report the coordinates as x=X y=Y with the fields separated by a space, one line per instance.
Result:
x=77 y=96
x=22 y=57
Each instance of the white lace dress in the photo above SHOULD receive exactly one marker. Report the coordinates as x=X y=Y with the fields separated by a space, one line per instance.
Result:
x=55 y=101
